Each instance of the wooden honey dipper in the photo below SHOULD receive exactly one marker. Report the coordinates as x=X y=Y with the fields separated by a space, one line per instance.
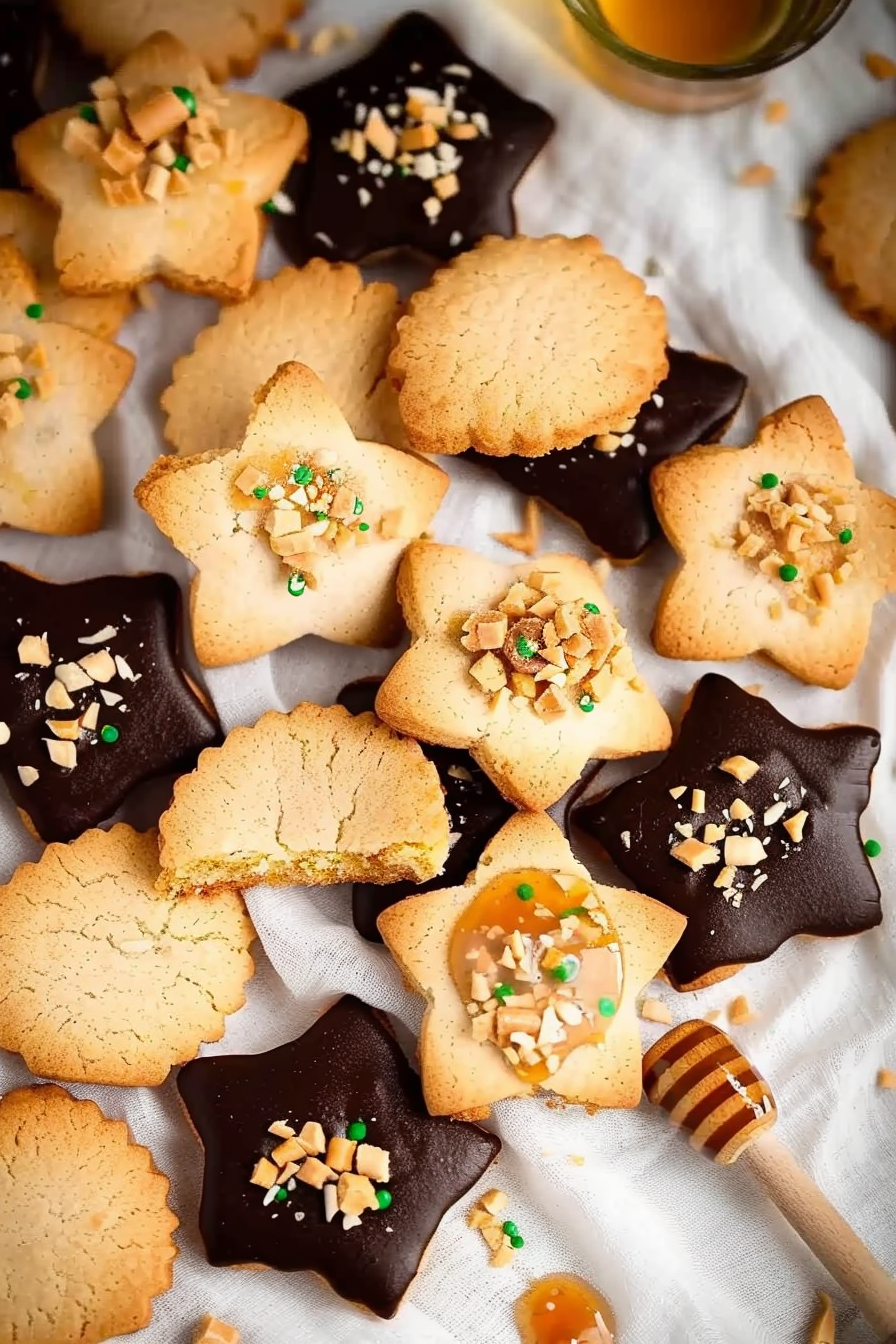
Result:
x=697 y=1074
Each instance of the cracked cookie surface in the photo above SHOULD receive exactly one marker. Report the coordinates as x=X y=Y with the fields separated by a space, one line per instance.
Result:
x=524 y=345
x=104 y=979
x=322 y=315
x=90 y=1262
x=312 y=797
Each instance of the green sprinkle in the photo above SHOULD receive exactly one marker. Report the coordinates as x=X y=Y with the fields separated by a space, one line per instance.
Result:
x=573 y=910
x=593 y=608
x=260 y=491
x=87 y=112
x=501 y=992
x=281 y=1195
x=187 y=97
x=384 y=1198
x=606 y=1008
x=517 y=1242
x=357 y=1130
x=768 y=480
x=404 y=171
x=269 y=208
x=321 y=515
x=37 y=310
x=525 y=647
x=109 y=733
x=845 y=536
x=568 y=969
x=303 y=475
x=358 y=507
x=510 y=1229
x=23 y=391
x=788 y=573
x=873 y=848
x=181 y=163
x=525 y=891
x=295 y=585
x=363 y=527
x=586 y=704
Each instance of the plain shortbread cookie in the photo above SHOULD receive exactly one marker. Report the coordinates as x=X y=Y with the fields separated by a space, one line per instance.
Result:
x=85 y=1227
x=322 y=315
x=464 y=1077
x=523 y=345
x=719 y=604
x=312 y=797
x=106 y=981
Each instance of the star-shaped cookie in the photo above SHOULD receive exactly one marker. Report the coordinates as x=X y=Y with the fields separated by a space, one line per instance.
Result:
x=342 y=1092
x=161 y=176
x=264 y=580
x=93 y=699
x=524 y=666
x=31 y=224
x=606 y=491
x=475 y=808
x=57 y=384
x=550 y=961
x=750 y=828
x=783 y=550
x=227 y=35
x=413 y=146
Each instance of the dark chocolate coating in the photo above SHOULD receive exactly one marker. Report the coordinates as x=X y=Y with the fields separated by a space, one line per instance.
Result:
x=476 y=808
x=347 y=1066
x=22 y=45
x=163 y=729
x=608 y=495
x=492 y=165
x=824 y=886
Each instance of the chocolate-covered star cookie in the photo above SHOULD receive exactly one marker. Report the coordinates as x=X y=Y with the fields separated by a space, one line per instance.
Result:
x=607 y=493
x=22 y=46
x=475 y=806
x=412 y=146
x=321 y=1155
x=750 y=828
x=92 y=697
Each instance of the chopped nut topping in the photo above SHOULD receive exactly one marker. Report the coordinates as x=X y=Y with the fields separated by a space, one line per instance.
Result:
x=33 y=650
x=90 y=717
x=654 y=1010
x=886 y=1079
x=698 y=800
x=694 y=854
x=726 y=876
x=739 y=810
x=494 y=1201
x=372 y=1162
x=28 y=775
x=213 y=1331
x=67 y=729
x=57 y=697
x=264 y=1173
x=281 y=1129
x=756 y=175
x=678 y=791
x=712 y=833
x=340 y=1153
x=99 y=666
x=740 y=1012
x=355 y=1193
x=776 y=111
x=4 y=733
x=744 y=851
x=794 y=826
x=741 y=767
x=312 y=1138
x=880 y=66
x=316 y=1173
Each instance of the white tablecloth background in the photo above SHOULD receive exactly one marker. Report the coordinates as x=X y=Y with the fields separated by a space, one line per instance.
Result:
x=685 y=1251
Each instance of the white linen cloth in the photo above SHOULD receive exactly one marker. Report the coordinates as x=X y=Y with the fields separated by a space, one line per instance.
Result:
x=684 y=1250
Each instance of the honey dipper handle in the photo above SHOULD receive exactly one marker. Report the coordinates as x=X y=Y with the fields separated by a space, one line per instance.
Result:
x=825 y=1232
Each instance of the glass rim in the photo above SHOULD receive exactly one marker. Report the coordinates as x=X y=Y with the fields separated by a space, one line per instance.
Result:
x=659 y=65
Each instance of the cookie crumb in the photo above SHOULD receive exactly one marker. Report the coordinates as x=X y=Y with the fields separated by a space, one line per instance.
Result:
x=528 y=541
x=776 y=111
x=799 y=208
x=333 y=35
x=575 y=1159
x=501 y=1235
x=288 y=40
x=654 y=1010
x=212 y=1331
x=880 y=66
x=756 y=175
x=740 y=1012
x=886 y=1079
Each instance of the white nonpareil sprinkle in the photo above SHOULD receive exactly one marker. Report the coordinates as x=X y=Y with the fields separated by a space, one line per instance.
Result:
x=283 y=204
x=331 y=1204
x=456 y=238
x=426 y=166
x=101 y=636
x=324 y=238
x=657 y=400
x=626 y=838
x=4 y=734
x=626 y=441
x=299 y=1216
x=270 y=1195
x=481 y=122
x=364 y=196
x=641 y=449
x=461 y=71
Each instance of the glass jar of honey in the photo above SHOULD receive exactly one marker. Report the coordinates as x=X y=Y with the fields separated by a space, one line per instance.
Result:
x=692 y=55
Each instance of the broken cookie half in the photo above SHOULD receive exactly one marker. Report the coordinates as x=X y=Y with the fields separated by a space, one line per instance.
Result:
x=313 y=797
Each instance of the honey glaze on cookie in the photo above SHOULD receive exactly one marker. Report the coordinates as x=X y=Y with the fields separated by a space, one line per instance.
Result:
x=146 y=142
x=308 y=507
x=539 y=649
x=800 y=532
x=538 y=965
x=560 y=1309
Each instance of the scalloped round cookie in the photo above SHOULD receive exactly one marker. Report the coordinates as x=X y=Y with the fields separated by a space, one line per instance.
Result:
x=524 y=345
x=855 y=215
x=85 y=1227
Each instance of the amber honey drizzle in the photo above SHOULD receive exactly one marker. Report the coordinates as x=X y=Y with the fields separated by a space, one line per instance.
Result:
x=699 y=32
x=562 y=1308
